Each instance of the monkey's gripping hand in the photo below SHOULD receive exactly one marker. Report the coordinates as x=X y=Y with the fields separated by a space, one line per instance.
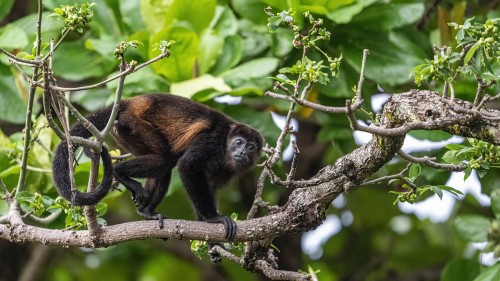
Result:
x=229 y=225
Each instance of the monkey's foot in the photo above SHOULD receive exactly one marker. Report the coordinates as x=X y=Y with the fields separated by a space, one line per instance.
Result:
x=229 y=225
x=214 y=257
x=153 y=216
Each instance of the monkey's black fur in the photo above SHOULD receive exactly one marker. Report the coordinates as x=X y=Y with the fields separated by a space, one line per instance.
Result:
x=162 y=131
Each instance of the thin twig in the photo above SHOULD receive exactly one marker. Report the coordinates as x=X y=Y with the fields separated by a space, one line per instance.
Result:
x=399 y=175
x=359 y=98
x=48 y=219
x=430 y=161
x=226 y=254
x=31 y=98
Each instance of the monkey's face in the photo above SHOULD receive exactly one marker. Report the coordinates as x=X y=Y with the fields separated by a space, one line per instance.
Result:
x=242 y=151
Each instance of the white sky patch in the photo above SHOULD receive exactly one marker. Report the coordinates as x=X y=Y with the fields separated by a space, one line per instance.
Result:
x=339 y=202
x=228 y=99
x=279 y=121
x=437 y=210
x=487 y=259
x=313 y=241
x=378 y=100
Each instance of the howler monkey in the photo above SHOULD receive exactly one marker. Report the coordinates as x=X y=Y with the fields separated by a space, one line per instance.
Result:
x=162 y=131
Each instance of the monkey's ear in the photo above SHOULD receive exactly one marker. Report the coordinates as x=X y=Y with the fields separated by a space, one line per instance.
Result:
x=232 y=127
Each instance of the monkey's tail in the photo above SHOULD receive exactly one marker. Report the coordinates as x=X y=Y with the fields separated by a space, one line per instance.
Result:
x=60 y=164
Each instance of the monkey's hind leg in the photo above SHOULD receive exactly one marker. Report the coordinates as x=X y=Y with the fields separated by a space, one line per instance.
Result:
x=156 y=169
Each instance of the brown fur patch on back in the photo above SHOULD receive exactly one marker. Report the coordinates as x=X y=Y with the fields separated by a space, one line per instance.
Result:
x=181 y=134
x=139 y=105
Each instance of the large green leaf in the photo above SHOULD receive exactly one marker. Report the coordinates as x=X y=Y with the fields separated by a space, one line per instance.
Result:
x=211 y=46
x=224 y=21
x=190 y=87
x=51 y=28
x=130 y=16
x=12 y=37
x=153 y=13
x=12 y=106
x=491 y=273
x=430 y=135
x=198 y=15
x=388 y=16
x=344 y=14
x=392 y=55
x=142 y=81
x=231 y=54
x=73 y=62
x=184 y=53
x=460 y=269
x=5 y=8
x=251 y=9
x=257 y=68
x=472 y=228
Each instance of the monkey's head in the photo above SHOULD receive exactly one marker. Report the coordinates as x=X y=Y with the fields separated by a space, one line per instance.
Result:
x=244 y=145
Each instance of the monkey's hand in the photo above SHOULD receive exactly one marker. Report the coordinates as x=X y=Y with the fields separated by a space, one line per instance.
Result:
x=229 y=225
x=152 y=216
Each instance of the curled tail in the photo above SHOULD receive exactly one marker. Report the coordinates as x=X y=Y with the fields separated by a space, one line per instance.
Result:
x=60 y=164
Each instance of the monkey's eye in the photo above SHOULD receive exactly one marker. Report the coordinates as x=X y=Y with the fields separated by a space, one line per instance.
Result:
x=251 y=147
x=238 y=142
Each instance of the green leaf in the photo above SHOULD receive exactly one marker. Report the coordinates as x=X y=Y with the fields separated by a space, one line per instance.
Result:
x=437 y=191
x=251 y=9
x=5 y=8
x=12 y=106
x=211 y=46
x=101 y=209
x=179 y=66
x=190 y=87
x=489 y=274
x=153 y=13
x=472 y=228
x=257 y=68
x=12 y=37
x=231 y=54
x=471 y=52
x=454 y=146
x=450 y=156
x=388 y=16
x=460 y=269
x=450 y=189
x=198 y=15
x=415 y=171
x=344 y=14
x=495 y=202
x=392 y=54
x=79 y=64
x=432 y=135
x=224 y=22
x=130 y=16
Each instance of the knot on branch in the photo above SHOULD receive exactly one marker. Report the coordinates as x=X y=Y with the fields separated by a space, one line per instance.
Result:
x=259 y=252
x=430 y=111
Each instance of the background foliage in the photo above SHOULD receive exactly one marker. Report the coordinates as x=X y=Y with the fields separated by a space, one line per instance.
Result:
x=224 y=47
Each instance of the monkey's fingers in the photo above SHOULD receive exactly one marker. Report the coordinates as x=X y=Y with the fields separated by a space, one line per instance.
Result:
x=153 y=216
x=229 y=225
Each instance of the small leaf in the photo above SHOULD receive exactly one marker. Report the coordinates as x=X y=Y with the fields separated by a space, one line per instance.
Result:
x=467 y=173
x=415 y=171
x=437 y=190
x=450 y=189
x=471 y=52
x=454 y=146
